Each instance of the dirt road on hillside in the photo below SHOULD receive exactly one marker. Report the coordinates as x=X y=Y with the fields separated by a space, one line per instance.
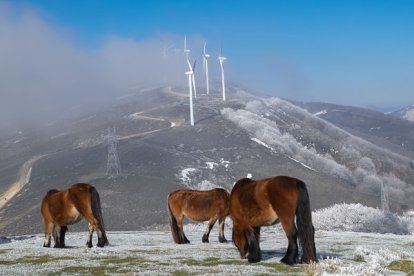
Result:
x=24 y=177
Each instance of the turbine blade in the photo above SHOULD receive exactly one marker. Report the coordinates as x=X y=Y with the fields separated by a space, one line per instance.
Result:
x=194 y=64
x=185 y=42
x=189 y=64
x=204 y=51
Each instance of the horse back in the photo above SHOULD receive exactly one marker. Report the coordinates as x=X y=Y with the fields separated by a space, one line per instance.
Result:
x=200 y=205
x=80 y=194
x=263 y=201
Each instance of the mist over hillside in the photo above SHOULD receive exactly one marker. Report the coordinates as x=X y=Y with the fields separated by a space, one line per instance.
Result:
x=160 y=152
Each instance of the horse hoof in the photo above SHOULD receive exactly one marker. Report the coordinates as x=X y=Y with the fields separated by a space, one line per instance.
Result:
x=223 y=240
x=205 y=239
x=253 y=260
x=287 y=261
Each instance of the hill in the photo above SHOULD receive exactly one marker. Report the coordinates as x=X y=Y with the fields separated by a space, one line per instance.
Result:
x=405 y=113
x=160 y=152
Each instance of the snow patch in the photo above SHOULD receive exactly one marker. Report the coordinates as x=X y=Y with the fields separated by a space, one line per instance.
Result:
x=322 y=112
x=304 y=165
x=409 y=115
x=262 y=143
x=225 y=163
x=186 y=173
x=211 y=165
x=28 y=174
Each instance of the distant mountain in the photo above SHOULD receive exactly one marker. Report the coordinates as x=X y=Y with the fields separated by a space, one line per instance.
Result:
x=335 y=155
x=405 y=113
x=383 y=130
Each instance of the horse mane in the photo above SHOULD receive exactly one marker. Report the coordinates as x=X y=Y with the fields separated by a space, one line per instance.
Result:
x=52 y=191
x=244 y=181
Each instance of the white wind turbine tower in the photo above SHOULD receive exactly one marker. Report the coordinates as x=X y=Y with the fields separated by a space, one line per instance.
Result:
x=221 y=60
x=187 y=53
x=205 y=67
x=190 y=74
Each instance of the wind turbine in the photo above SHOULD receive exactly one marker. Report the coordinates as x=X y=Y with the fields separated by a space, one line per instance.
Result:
x=193 y=80
x=221 y=60
x=205 y=67
x=187 y=53
x=190 y=75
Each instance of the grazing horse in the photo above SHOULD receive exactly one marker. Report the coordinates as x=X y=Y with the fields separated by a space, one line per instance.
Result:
x=62 y=208
x=199 y=206
x=266 y=202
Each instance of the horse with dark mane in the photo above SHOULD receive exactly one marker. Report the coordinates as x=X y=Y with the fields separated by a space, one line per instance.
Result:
x=266 y=202
x=62 y=208
x=211 y=205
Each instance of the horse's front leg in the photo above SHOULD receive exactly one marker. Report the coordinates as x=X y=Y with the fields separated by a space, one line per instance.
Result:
x=89 y=241
x=221 y=229
x=210 y=225
x=57 y=236
x=63 y=230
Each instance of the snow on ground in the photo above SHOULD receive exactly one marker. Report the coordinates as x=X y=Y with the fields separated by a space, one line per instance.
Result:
x=322 y=112
x=154 y=253
x=409 y=115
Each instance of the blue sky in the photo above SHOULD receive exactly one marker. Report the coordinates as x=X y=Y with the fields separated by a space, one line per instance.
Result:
x=346 y=52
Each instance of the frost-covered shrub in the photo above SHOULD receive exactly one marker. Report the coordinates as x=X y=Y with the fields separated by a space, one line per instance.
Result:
x=353 y=163
x=360 y=218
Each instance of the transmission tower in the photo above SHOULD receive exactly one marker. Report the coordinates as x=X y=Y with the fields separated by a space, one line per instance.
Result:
x=384 y=198
x=113 y=167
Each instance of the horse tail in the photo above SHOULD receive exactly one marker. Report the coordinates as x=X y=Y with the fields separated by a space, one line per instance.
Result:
x=173 y=222
x=97 y=212
x=305 y=227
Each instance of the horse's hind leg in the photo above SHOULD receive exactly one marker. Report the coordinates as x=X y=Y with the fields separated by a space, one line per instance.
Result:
x=48 y=233
x=180 y=225
x=89 y=241
x=221 y=230
x=93 y=225
x=291 y=257
x=211 y=223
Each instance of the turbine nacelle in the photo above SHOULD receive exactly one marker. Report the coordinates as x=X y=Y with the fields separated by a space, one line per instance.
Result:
x=221 y=59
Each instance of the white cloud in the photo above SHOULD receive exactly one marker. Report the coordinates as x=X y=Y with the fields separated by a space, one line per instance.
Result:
x=44 y=73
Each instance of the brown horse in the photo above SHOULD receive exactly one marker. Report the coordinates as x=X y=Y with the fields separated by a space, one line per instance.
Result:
x=199 y=206
x=266 y=202
x=62 y=208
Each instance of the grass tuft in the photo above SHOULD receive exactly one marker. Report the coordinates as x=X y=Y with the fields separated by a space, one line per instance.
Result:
x=406 y=266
